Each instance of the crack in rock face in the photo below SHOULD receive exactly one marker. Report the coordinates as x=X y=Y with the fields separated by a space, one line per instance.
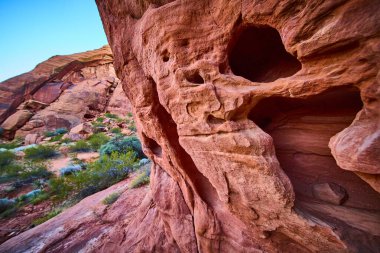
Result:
x=262 y=113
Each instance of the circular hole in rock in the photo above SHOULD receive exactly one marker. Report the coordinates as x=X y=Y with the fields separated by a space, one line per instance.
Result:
x=194 y=77
x=258 y=54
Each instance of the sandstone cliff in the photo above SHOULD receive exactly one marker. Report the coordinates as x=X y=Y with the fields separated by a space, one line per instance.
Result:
x=265 y=114
x=261 y=118
x=60 y=92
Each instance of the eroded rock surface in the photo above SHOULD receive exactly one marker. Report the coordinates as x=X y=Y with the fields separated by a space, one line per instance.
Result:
x=243 y=106
x=247 y=105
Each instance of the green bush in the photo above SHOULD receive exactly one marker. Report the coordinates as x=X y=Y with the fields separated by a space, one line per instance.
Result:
x=97 y=124
x=110 y=199
x=56 y=132
x=141 y=179
x=116 y=130
x=6 y=158
x=40 y=198
x=129 y=114
x=99 y=175
x=56 y=138
x=59 y=188
x=103 y=173
x=24 y=171
x=100 y=119
x=50 y=215
x=123 y=144
x=13 y=144
x=80 y=146
x=97 y=140
x=132 y=127
x=34 y=170
x=110 y=115
x=40 y=153
x=8 y=212
x=66 y=140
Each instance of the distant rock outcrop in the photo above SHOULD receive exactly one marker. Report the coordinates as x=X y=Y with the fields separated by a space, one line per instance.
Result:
x=61 y=92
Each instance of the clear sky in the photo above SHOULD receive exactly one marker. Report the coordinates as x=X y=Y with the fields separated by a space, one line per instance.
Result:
x=32 y=31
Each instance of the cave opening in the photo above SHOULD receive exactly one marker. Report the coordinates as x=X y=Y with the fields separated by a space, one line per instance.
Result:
x=258 y=54
x=301 y=130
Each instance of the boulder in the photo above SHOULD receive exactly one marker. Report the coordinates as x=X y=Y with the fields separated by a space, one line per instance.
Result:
x=16 y=120
x=73 y=136
x=83 y=128
x=49 y=92
x=32 y=105
x=33 y=139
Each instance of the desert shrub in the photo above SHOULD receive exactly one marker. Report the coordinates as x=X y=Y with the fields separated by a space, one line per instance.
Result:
x=6 y=158
x=60 y=131
x=50 y=215
x=116 y=130
x=129 y=114
x=97 y=124
x=24 y=173
x=132 y=127
x=70 y=170
x=56 y=132
x=110 y=115
x=34 y=170
x=110 y=199
x=8 y=207
x=66 y=140
x=40 y=198
x=141 y=179
x=56 y=138
x=13 y=144
x=6 y=203
x=80 y=146
x=100 y=119
x=103 y=173
x=97 y=140
x=123 y=144
x=40 y=152
x=59 y=188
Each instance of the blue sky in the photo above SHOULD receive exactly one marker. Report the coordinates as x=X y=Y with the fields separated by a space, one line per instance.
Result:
x=32 y=31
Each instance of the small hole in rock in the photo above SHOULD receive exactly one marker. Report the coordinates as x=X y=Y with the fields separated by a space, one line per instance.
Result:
x=194 y=77
x=213 y=120
x=258 y=54
x=153 y=146
x=165 y=56
x=89 y=116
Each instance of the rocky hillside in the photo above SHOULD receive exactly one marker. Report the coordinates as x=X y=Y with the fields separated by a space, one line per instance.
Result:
x=261 y=119
x=61 y=92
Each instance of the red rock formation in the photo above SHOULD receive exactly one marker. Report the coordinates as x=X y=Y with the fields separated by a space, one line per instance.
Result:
x=239 y=102
x=63 y=92
x=17 y=89
x=258 y=116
